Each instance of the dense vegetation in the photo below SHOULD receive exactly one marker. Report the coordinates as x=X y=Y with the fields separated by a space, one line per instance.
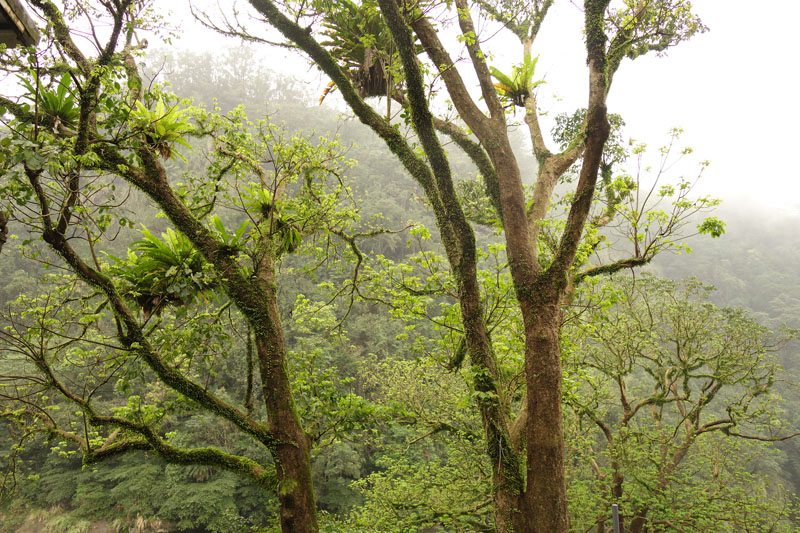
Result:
x=137 y=391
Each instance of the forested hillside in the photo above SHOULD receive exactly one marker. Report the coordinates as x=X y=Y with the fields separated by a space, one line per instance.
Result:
x=228 y=308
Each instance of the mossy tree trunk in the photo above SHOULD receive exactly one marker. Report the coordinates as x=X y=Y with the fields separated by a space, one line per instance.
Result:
x=256 y=298
x=292 y=453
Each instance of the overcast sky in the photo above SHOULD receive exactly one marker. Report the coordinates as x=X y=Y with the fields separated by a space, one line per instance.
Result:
x=732 y=89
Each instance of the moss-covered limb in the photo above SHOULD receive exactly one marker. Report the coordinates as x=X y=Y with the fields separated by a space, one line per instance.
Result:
x=134 y=339
x=49 y=425
x=245 y=467
x=150 y=441
x=594 y=25
x=610 y=268
x=467 y=109
x=478 y=156
x=20 y=113
x=478 y=60
x=116 y=449
x=62 y=34
x=379 y=124
x=596 y=133
x=292 y=452
x=439 y=428
x=453 y=225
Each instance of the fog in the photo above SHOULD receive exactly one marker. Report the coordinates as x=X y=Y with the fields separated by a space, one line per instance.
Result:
x=731 y=89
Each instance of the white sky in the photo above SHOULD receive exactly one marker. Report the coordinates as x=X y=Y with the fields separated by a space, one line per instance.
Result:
x=732 y=89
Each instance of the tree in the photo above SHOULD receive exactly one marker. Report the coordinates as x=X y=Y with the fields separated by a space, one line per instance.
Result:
x=699 y=458
x=672 y=382
x=530 y=491
x=153 y=323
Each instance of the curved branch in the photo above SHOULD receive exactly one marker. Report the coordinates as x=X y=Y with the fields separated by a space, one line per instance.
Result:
x=456 y=88
x=763 y=439
x=610 y=268
x=189 y=456
x=62 y=34
x=496 y=110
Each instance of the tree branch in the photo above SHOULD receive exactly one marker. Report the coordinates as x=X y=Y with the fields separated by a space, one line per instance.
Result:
x=610 y=268
x=466 y=107
x=496 y=110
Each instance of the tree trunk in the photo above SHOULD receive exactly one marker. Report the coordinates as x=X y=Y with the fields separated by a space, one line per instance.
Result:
x=507 y=476
x=292 y=456
x=545 y=499
x=639 y=523
x=617 y=479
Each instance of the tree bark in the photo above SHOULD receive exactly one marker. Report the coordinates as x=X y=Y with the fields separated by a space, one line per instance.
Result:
x=3 y=229
x=545 y=500
x=639 y=523
x=292 y=453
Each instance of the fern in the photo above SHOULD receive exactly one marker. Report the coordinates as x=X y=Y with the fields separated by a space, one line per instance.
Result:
x=157 y=272
x=163 y=127
x=59 y=104
x=517 y=87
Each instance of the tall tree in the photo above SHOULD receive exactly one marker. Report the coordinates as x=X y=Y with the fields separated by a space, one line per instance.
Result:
x=671 y=383
x=88 y=127
x=529 y=491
